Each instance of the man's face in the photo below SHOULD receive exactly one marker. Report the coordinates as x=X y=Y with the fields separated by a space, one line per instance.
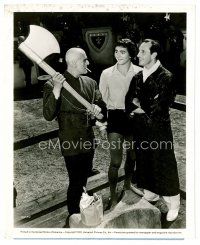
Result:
x=121 y=55
x=82 y=63
x=144 y=55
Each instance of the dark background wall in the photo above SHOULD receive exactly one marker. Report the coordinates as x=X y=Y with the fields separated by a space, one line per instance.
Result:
x=69 y=28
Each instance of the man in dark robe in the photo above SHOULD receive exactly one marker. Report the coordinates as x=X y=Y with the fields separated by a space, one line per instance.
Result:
x=75 y=123
x=150 y=95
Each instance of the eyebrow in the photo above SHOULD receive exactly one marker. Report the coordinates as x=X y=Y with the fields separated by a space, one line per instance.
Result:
x=124 y=49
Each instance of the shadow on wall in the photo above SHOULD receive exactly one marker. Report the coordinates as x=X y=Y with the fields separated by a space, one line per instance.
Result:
x=21 y=92
x=19 y=77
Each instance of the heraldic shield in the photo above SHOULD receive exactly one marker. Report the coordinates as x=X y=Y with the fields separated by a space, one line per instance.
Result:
x=100 y=42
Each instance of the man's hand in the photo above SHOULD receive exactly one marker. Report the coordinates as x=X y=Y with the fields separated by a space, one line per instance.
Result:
x=95 y=110
x=137 y=111
x=136 y=102
x=58 y=80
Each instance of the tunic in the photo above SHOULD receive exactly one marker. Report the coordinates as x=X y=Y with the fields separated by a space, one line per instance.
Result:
x=155 y=159
x=75 y=125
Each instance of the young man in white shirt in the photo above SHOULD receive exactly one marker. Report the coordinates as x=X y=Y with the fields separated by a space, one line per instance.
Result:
x=114 y=84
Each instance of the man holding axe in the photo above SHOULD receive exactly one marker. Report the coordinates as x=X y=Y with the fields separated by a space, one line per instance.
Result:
x=75 y=122
x=75 y=101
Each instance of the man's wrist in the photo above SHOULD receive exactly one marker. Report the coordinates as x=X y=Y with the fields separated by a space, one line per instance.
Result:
x=56 y=92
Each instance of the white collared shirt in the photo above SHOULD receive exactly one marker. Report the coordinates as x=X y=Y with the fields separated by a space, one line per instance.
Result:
x=114 y=85
x=147 y=72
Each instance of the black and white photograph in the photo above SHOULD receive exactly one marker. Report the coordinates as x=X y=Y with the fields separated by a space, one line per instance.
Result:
x=101 y=104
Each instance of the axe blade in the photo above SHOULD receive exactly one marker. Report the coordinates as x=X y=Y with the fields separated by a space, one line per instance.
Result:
x=41 y=42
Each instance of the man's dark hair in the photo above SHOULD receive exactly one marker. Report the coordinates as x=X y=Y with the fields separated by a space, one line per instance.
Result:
x=131 y=46
x=155 y=47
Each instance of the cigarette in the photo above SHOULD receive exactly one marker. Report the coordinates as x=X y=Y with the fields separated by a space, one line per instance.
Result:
x=88 y=69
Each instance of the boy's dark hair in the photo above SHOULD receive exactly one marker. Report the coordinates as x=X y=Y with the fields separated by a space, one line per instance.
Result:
x=155 y=46
x=131 y=46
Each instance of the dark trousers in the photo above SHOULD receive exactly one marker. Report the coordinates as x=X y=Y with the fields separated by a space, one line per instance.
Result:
x=78 y=167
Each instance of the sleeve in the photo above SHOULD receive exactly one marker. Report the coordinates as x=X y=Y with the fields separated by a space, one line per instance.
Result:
x=50 y=104
x=131 y=94
x=103 y=87
x=99 y=101
x=166 y=95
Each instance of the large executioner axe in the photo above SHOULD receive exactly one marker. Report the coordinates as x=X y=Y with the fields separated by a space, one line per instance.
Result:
x=39 y=44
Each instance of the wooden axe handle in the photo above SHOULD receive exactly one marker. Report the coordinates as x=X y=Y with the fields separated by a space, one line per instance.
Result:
x=48 y=69
x=83 y=101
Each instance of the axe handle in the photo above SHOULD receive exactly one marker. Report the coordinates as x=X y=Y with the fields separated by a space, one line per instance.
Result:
x=48 y=69
x=83 y=101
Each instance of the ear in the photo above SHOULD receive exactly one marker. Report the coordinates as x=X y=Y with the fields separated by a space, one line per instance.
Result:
x=73 y=63
x=154 y=55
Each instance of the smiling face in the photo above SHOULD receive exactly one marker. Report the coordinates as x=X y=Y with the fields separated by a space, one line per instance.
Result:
x=146 y=59
x=122 y=55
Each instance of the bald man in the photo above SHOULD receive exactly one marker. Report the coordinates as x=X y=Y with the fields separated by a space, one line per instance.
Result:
x=76 y=135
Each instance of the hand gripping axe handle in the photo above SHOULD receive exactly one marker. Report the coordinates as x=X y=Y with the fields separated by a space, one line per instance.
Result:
x=39 y=44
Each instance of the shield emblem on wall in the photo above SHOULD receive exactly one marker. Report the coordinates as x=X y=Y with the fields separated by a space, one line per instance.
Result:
x=97 y=39
x=100 y=43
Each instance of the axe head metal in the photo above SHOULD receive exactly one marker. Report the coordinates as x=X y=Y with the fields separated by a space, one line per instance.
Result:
x=41 y=42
